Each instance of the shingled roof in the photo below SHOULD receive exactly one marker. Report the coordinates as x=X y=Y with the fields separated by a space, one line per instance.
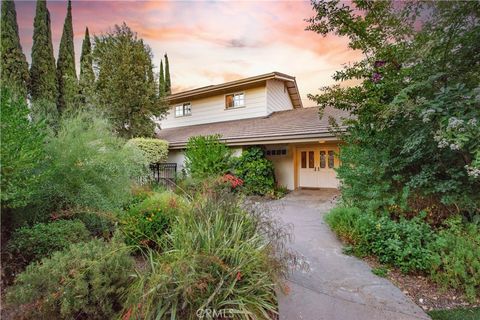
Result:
x=283 y=126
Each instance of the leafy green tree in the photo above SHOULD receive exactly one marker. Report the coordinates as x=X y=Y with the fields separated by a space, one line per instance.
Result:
x=161 y=81
x=168 y=83
x=14 y=71
x=87 y=77
x=67 y=83
x=22 y=152
x=42 y=71
x=414 y=138
x=126 y=89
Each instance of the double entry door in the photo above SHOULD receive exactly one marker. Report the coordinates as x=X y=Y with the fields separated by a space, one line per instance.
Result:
x=316 y=167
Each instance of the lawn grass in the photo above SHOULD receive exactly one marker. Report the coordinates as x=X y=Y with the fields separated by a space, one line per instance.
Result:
x=456 y=314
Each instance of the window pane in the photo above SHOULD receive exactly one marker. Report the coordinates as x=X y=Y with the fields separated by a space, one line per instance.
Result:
x=229 y=101
x=178 y=111
x=331 y=159
x=187 y=109
x=311 y=159
x=322 y=159
x=304 y=159
x=284 y=152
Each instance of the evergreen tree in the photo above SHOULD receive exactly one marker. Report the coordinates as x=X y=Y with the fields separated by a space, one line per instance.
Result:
x=66 y=74
x=168 y=83
x=87 y=77
x=125 y=87
x=14 y=71
x=42 y=71
x=161 y=81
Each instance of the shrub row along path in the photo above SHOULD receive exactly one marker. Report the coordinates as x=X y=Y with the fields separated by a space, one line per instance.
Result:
x=336 y=286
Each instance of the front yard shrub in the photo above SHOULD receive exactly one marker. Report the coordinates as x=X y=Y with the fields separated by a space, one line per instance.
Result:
x=256 y=172
x=34 y=243
x=147 y=223
x=207 y=156
x=90 y=166
x=154 y=150
x=450 y=255
x=84 y=282
x=222 y=256
x=403 y=243
x=457 y=257
x=345 y=221
x=98 y=223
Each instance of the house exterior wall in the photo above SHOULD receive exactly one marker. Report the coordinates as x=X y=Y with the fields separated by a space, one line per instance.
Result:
x=178 y=157
x=278 y=98
x=283 y=166
x=212 y=109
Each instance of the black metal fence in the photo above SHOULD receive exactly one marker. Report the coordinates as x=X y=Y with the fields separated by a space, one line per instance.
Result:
x=164 y=174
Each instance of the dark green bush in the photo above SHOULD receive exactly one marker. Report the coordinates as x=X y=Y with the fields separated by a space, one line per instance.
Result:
x=207 y=156
x=34 y=243
x=256 y=171
x=98 y=223
x=457 y=257
x=146 y=223
x=84 y=282
x=403 y=243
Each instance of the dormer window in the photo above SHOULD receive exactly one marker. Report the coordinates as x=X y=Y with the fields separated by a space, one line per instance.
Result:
x=183 y=110
x=235 y=100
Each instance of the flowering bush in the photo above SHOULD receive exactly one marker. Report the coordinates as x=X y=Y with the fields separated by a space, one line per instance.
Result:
x=232 y=180
x=145 y=224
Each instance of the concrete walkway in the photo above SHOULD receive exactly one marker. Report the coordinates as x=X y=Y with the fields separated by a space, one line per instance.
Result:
x=336 y=286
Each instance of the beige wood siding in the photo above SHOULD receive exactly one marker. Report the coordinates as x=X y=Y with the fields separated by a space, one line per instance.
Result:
x=278 y=98
x=212 y=109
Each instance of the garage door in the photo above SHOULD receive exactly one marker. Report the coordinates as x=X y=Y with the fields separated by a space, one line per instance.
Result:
x=316 y=167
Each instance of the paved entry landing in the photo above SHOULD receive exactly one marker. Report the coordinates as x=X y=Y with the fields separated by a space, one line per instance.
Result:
x=336 y=286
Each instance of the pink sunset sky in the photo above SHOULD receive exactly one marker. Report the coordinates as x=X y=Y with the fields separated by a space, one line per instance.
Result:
x=209 y=42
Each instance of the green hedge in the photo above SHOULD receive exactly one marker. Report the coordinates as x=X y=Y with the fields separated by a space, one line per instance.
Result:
x=155 y=150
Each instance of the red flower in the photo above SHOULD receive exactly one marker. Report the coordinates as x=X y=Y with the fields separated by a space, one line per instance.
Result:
x=239 y=276
x=234 y=181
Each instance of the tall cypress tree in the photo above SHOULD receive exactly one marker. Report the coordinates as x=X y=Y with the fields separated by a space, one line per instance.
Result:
x=161 y=81
x=42 y=71
x=168 y=83
x=87 y=77
x=14 y=71
x=66 y=73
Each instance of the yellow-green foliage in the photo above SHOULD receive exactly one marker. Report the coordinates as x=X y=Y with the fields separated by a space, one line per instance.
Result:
x=155 y=150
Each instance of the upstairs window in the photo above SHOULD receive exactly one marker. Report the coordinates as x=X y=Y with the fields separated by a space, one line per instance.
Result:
x=183 y=110
x=234 y=100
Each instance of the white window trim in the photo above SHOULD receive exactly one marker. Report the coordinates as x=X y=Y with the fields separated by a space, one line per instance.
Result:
x=234 y=93
x=182 y=105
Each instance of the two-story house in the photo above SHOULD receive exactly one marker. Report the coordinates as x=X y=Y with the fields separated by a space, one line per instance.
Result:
x=264 y=110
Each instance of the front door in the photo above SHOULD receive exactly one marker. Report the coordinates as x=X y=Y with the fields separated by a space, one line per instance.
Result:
x=316 y=167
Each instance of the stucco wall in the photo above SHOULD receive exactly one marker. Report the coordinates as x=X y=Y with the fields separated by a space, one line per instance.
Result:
x=283 y=165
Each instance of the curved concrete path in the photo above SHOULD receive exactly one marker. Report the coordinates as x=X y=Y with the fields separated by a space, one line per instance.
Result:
x=336 y=286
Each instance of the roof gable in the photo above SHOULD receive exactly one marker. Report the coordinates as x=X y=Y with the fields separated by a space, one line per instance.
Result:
x=237 y=85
